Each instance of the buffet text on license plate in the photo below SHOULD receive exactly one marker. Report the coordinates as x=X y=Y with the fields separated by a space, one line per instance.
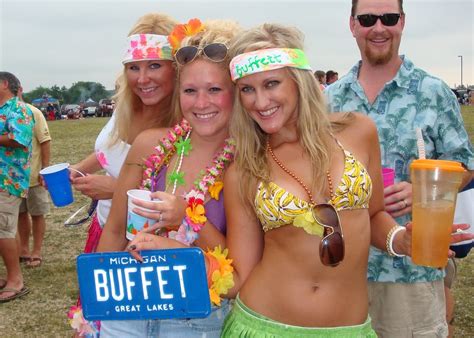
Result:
x=168 y=284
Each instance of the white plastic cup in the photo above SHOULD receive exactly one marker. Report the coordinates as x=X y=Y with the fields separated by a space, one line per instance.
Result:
x=135 y=222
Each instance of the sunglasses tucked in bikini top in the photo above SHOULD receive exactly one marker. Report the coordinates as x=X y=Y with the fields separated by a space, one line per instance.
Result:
x=276 y=207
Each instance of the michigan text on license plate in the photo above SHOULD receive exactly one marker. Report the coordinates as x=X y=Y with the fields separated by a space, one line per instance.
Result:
x=168 y=284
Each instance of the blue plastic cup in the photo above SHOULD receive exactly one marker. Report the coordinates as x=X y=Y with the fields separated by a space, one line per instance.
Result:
x=58 y=184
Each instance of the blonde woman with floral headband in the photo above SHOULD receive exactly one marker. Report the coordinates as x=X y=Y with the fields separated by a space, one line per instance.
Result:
x=143 y=101
x=184 y=169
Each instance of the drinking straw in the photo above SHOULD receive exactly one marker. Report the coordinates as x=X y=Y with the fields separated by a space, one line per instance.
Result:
x=421 y=144
x=422 y=155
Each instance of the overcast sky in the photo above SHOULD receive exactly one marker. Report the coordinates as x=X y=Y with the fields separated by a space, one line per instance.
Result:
x=61 y=42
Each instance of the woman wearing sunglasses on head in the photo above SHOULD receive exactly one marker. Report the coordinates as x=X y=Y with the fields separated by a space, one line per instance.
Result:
x=300 y=197
x=184 y=170
x=143 y=101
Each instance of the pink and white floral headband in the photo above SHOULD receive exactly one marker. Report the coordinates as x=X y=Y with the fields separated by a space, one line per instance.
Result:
x=267 y=59
x=147 y=47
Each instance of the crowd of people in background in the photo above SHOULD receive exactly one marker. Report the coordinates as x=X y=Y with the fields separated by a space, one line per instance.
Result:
x=464 y=96
x=276 y=155
x=326 y=78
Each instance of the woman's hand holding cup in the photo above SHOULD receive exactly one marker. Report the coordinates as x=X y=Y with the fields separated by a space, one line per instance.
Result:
x=166 y=209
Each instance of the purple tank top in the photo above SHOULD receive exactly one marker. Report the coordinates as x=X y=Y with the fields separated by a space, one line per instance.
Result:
x=214 y=209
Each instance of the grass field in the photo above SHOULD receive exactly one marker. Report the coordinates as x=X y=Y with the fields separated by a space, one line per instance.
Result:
x=53 y=286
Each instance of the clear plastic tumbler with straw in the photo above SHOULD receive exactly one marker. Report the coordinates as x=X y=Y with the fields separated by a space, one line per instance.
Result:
x=435 y=184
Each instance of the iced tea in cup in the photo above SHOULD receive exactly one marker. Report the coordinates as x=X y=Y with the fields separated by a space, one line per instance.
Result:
x=435 y=185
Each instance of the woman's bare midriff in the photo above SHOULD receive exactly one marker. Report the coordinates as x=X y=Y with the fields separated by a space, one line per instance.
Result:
x=290 y=278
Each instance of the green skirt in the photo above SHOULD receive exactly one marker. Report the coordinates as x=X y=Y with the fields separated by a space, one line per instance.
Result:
x=242 y=322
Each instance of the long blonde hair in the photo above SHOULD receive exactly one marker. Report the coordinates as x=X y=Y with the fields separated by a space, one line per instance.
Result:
x=215 y=31
x=127 y=101
x=313 y=126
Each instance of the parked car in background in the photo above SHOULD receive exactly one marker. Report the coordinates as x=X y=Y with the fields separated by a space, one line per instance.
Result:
x=106 y=108
x=89 y=111
x=72 y=111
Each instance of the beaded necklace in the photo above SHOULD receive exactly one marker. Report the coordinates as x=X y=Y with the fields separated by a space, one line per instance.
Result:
x=176 y=177
x=297 y=179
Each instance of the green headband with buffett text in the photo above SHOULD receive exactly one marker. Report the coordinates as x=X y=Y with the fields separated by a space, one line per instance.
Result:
x=267 y=59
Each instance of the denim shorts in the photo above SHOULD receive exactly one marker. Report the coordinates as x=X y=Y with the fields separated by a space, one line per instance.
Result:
x=209 y=327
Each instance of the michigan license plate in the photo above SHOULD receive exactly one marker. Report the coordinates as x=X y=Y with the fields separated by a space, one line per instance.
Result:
x=168 y=284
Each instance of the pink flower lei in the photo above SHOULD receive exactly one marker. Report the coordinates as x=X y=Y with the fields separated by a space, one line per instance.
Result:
x=195 y=217
x=163 y=153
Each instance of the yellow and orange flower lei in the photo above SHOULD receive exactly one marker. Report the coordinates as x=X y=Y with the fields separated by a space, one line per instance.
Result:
x=220 y=274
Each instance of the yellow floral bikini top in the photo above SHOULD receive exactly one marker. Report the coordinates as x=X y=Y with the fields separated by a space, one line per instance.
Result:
x=276 y=207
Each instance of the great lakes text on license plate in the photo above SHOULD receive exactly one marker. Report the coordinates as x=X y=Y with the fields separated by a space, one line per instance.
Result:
x=168 y=284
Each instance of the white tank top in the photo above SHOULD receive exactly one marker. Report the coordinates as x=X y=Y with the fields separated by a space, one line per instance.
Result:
x=111 y=158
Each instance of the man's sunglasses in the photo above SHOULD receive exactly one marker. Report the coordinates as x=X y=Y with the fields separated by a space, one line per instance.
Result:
x=216 y=52
x=387 y=19
x=331 y=248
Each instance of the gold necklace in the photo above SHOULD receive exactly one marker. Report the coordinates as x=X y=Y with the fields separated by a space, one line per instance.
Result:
x=296 y=178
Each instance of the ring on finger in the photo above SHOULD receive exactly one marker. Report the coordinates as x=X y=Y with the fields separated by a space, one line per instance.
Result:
x=161 y=218
x=405 y=204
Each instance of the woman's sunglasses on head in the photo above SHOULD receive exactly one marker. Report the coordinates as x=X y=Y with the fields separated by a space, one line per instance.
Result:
x=216 y=52
x=331 y=247
x=387 y=19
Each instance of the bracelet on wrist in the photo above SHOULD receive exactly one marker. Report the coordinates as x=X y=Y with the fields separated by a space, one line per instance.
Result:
x=389 y=241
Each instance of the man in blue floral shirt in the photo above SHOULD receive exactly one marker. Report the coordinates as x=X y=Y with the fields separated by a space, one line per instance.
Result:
x=16 y=134
x=405 y=300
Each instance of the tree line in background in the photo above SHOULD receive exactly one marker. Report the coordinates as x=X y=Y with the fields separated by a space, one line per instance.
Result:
x=79 y=92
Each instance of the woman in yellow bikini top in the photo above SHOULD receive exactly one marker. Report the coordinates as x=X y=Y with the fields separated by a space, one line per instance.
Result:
x=275 y=206
x=298 y=280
